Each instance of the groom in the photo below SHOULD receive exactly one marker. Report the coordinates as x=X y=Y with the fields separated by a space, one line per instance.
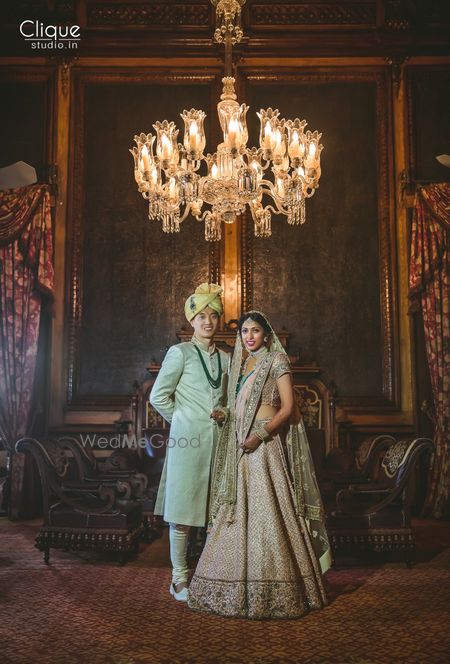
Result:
x=190 y=393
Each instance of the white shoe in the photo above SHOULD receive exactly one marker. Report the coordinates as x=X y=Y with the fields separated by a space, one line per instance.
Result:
x=182 y=596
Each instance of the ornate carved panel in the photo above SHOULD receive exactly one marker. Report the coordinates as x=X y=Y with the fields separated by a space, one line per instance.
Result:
x=128 y=280
x=332 y=282
x=309 y=13
x=148 y=14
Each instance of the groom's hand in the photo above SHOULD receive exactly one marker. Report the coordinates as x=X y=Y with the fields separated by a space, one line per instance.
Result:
x=251 y=444
x=218 y=416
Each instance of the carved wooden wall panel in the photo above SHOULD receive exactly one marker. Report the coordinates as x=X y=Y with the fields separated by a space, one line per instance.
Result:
x=128 y=279
x=295 y=14
x=331 y=283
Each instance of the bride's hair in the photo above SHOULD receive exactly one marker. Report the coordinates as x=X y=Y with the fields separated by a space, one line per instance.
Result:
x=258 y=318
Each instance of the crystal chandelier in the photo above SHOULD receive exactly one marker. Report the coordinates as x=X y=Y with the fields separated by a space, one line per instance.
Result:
x=178 y=179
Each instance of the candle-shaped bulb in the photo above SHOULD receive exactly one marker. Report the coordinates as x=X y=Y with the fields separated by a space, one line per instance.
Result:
x=166 y=147
x=267 y=135
x=233 y=133
x=193 y=134
x=145 y=158
x=172 y=189
x=214 y=171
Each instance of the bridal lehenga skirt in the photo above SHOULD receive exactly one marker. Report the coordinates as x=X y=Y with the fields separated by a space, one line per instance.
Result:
x=262 y=565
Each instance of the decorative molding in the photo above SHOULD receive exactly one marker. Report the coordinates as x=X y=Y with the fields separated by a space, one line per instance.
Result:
x=396 y=62
x=64 y=62
x=390 y=400
x=300 y=14
x=146 y=14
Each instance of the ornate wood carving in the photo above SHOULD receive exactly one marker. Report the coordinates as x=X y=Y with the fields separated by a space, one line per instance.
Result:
x=397 y=62
x=386 y=226
x=308 y=13
x=215 y=263
x=396 y=16
x=247 y=263
x=148 y=14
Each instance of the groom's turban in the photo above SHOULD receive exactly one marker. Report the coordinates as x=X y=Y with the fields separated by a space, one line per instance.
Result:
x=206 y=295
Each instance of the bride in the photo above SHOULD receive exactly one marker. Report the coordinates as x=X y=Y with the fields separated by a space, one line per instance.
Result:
x=267 y=547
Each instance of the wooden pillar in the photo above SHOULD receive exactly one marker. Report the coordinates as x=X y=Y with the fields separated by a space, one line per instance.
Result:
x=400 y=134
x=231 y=278
x=61 y=152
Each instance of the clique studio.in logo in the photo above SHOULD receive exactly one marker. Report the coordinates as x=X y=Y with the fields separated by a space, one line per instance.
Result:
x=52 y=37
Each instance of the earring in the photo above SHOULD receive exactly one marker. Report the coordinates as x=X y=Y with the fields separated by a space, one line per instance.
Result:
x=265 y=339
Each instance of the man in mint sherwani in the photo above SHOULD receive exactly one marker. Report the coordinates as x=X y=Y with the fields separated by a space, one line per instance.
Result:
x=190 y=393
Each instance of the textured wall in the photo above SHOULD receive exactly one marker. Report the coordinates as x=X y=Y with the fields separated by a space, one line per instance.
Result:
x=135 y=278
x=321 y=281
x=23 y=128
x=431 y=117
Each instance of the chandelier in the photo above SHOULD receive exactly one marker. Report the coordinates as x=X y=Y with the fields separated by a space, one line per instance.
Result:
x=178 y=179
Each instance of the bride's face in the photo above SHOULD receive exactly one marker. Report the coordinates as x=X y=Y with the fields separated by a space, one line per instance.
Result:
x=252 y=335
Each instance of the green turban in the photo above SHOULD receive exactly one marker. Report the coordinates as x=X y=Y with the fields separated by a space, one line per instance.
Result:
x=206 y=295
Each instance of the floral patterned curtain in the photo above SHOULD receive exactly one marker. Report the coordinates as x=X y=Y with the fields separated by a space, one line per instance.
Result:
x=429 y=283
x=26 y=274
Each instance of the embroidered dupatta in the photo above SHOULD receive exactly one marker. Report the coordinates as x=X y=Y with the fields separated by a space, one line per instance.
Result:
x=308 y=502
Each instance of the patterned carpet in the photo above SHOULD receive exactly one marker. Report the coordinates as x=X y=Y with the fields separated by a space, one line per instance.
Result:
x=84 y=609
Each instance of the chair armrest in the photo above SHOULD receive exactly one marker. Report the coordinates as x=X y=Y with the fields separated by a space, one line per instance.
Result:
x=367 y=488
x=86 y=485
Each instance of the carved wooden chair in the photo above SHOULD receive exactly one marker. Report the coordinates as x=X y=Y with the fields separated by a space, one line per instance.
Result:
x=345 y=466
x=128 y=480
x=79 y=515
x=375 y=517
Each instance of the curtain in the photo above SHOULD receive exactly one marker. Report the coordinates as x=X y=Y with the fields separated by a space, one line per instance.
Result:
x=26 y=277
x=429 y=284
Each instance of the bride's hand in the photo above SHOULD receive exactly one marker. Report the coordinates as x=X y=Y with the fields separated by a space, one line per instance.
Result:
x=251 y=444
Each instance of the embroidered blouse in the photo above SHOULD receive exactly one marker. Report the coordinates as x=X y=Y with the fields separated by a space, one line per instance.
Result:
x=270 y=395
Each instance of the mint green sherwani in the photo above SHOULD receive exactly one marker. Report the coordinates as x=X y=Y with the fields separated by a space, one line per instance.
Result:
x=184 y=397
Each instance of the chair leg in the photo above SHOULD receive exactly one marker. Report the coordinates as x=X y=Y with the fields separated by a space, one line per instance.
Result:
x=146 y=532
x=47 y=556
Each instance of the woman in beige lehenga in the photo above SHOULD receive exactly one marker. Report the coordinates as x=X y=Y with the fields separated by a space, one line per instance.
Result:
x=267 y=548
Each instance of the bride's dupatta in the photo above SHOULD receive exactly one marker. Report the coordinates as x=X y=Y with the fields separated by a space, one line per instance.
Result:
x=308 y=502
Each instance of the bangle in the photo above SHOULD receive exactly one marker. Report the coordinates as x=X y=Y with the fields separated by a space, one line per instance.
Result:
x=262 y=434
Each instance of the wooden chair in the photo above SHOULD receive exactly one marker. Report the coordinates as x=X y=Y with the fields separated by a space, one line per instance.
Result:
x=344 y=466
x=375 y=517
x=79 y=515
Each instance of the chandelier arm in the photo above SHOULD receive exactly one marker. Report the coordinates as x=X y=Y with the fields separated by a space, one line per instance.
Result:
x=269 y=190
x=277 y=211
x=202 y=217
x=187 y=209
